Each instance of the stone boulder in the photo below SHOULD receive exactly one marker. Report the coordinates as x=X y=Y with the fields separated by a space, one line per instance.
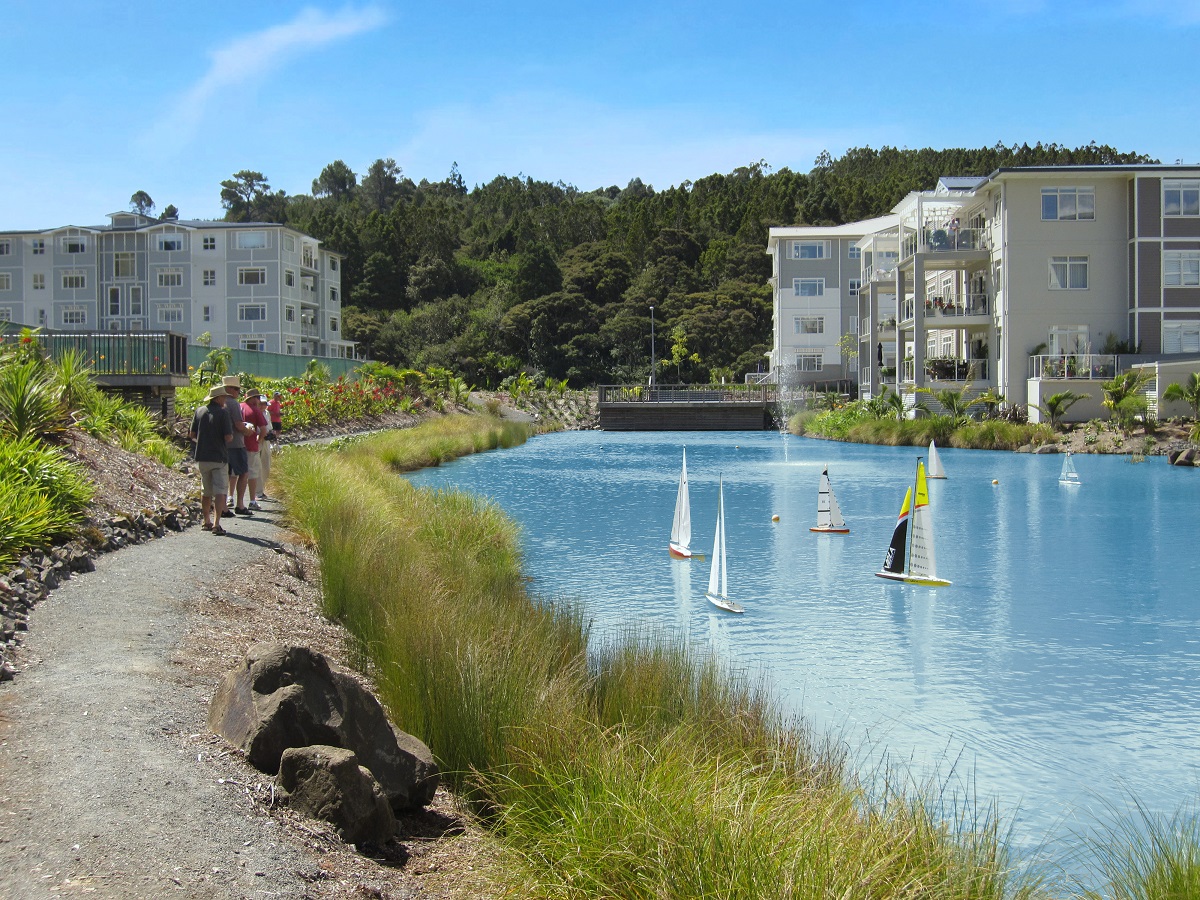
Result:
x=327 y=783
x=282 y=696
x=1183 y=456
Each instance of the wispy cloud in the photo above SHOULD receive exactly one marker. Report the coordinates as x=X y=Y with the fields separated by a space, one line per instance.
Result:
x=249 y=58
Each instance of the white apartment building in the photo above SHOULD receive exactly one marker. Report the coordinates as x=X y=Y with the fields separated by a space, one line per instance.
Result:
x=250 y=285
x=816 y=275
x=1018 y=280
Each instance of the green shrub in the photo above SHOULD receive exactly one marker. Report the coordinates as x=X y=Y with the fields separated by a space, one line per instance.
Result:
x=29 y=402
x=41 y=495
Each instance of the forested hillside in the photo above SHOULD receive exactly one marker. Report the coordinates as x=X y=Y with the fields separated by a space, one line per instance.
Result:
x=523 y=275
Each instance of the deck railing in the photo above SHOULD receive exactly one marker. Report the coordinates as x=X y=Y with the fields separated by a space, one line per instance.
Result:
x=1083 y=366
x=134 y=353
x=687 y=393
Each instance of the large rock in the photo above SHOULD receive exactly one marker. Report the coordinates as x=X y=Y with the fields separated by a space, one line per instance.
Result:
x=328 y=783
x=1183 y=456
x=284 y=696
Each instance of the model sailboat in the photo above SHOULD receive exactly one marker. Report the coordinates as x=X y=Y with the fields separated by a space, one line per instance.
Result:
x=829 y=514
x=936 y=469
x=910 y=557
x=718 y=575
x=1068 y=475
x=681 y=526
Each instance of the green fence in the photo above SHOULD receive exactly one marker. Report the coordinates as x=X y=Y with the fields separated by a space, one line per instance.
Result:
x=271 y=365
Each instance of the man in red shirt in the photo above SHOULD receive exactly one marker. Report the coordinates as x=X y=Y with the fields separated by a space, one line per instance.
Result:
x=252 y=412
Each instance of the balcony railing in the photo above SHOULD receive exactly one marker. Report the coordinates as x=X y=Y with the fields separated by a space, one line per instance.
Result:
x=908 y=309
x=882 y=272
x=687 y=393
x=950 y=369
x=954 y=305
x=1083 y=366
x=945 y=240
x=143 y=353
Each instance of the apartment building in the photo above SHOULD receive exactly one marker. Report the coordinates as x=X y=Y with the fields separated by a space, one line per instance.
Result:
x=816 y=275
x=250 y=285
x=1025 y=277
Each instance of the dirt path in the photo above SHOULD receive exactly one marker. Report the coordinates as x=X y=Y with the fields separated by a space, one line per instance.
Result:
x=110 y=784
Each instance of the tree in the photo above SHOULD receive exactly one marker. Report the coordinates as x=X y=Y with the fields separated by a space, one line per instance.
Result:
x=141 y=203
x=1188 y=392
x=336 y=181
x=1121 y=395
x=241 y=193
x=380 y=187
x=171 y=211
x=1056 y=406
x=679 y=353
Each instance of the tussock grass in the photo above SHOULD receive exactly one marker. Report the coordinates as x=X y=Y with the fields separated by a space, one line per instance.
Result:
x=1147 y=856
x=42 y=495
x=640 y=768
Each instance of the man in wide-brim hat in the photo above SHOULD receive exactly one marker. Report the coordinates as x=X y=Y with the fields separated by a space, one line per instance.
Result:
x=212 y=431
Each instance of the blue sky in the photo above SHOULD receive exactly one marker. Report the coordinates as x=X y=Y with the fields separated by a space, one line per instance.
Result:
x=103 y=99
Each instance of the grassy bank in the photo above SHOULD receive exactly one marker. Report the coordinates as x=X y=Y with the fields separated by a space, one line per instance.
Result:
x=638 y=768
x=860 y=424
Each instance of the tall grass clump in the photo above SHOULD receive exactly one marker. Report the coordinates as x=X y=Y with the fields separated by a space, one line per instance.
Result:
x=1146 y=856
x=637 y=767
x=30 y=405
x=42 y=495
x=998 y=434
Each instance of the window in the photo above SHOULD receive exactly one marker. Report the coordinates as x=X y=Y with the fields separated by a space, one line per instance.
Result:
x=289 y=347
x=254 y=344
x=74 y=245
x=208 y=242
x=808 y=287
x=809 y=362
x=74 y=279
x=170 y=313
x=252 y=312
x=333 y=324
x=114 y=301
x=947 y=343
x=1181 y=198
x=169 y=278
x=333 y=264
x=169 y=243
x=1063 y=204
x=206 y=313
x=808 y=325
x=289 y=243
x=39 y=281
x=854 y=285
x=124 y=265
x=5 y=313
x=252 y=276
x=856 y=252
x=251 y=240
x=210 y=277
x=333 y=295
x=5 y=248
x=74 y=315
x=135 y=300
x=1068 y=273
x=289 y=314
x=810 y=250
x=289 y=278
x=1181 y=337
x=39 y=247
x=1181 y=268
x=5 y=281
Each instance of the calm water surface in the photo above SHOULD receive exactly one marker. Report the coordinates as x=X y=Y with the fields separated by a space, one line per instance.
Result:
x=1062 y=667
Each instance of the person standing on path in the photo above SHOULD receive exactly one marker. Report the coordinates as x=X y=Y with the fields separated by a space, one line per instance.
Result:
x=212 y=430
x=253 y=413
x=238 y=461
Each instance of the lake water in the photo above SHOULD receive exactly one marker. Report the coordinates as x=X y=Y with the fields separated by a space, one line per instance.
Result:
x=1060 y=671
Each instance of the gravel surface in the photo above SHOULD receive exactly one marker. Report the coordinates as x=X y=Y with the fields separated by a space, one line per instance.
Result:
x=110 y=784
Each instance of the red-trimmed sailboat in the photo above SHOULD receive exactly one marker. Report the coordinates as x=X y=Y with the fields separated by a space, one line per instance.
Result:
x=829 y=514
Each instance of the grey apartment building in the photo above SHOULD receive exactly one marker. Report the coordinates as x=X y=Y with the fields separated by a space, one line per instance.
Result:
x=250 y=285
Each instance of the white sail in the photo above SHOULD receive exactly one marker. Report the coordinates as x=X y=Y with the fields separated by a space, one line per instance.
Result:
x=718 y=573
x=829 y=514
x=681 y=526
x=936 y=469
x=922 y=562
x=1068 y=475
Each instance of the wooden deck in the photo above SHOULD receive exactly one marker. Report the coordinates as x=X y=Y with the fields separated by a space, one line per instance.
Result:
x=684 y=407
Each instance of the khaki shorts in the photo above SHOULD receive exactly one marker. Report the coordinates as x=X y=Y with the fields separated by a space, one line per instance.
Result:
x=214 y=476
x=254 y=466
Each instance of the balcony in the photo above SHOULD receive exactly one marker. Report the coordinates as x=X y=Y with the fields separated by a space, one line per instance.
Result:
x=943 y=368
x=950 y=306
x=945 y=240
x=885 y=271
x=1081 y=366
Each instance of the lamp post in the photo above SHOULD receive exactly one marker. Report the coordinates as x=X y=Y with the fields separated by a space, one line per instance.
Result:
x=653 y=362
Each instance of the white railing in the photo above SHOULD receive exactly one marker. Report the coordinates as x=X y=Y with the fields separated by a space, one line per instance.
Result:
x=1083 y=366
x=953 y=305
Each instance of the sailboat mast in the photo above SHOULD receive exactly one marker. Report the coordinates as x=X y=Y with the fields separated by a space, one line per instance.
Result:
x=912 y=527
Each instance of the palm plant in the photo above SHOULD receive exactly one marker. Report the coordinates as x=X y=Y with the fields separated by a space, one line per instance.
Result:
x=1121 y=395
x=1056 y=406
x=956 y=402
x=1188 y=392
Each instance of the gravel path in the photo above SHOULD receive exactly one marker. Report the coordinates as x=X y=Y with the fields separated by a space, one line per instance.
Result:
x=103 y=788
